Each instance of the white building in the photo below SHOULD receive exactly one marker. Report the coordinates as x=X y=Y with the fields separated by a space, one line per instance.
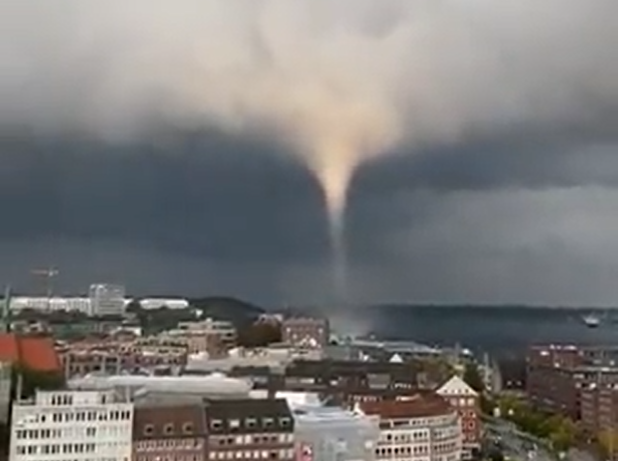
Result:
x=170 y=303
x=107 y=299
x=419 y=428
x=72 y=425
x=213 y=385
x=54 y=304
x=334 y=434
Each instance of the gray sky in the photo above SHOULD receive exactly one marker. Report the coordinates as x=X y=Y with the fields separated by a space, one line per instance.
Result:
x=175 y=146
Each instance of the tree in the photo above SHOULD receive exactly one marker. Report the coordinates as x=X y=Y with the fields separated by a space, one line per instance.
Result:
x=473 y=377
x=259 y=335
x=608 y=440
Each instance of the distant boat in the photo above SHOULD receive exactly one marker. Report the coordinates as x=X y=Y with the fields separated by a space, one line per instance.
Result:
x=591 y=320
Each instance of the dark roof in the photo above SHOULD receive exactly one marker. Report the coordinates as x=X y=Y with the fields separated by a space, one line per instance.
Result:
x=168 y=421
x=423 y=404
x=249 y=415
x=339 y=367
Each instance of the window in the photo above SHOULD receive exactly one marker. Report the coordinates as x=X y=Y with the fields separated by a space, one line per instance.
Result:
x=251 y=423
x=148 y=429
x=285 y=421
x=168 y=429
x=268 y=422
x=187 y=428
x=216 y=424
x=234 y=423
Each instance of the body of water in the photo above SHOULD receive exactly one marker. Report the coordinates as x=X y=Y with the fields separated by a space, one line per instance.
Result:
x=501 y=330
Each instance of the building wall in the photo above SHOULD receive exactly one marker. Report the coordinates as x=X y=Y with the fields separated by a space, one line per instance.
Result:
x=306 y=332
x=107 y=299
x=334 y=434
x=73 y=425
x=437 y=438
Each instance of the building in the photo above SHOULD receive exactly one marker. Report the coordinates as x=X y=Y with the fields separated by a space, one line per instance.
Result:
x=250 y=429
x=332 y=433
x=5 y=391
x=107 y=300
x=465 y=400
x=169 y=303
x=166 y=432
x=53 y=304
x=73 y=425
x=306 y=332
x=420 y=428
x=34 y=353
x=557 y=375
x=209 y=335
x=215 y=385
x=112 y=356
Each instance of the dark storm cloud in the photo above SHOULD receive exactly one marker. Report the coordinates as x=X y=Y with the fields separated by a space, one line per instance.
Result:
x=501 y=119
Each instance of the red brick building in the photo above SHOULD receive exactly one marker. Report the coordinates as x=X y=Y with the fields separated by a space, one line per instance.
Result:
x=562 y=378
x=466 y=401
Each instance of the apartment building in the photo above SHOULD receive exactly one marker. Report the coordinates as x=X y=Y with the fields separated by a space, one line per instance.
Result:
x=73 y=425
x=250 y=429
x=212 y=336
x=423 y=427
x=465 y=401
x=306 y=332
x=107 y=300
x=169 y=431
x=117 y=356
x=558 y=374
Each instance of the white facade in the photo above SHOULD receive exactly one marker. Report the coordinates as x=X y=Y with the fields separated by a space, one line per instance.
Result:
x=72 y=425
x=334 y=434
x=107 y=299
x=170 y=303
x=215 y=384
x=417 y=429
x=54 y=304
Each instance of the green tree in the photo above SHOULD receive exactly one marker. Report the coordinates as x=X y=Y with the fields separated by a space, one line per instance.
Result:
x=473 y=377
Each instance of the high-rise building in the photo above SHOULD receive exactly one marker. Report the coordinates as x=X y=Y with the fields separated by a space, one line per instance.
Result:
x=107 y=299
x=74 y=425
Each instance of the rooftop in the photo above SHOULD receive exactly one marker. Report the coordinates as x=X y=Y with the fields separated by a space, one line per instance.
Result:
x=34 y=353
x=421 y=405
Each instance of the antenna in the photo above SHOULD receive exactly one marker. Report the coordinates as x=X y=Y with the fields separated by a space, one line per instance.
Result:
x=48 y=275
x=6 y=310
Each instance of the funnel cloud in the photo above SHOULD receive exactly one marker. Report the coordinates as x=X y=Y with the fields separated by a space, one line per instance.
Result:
x=334 y=85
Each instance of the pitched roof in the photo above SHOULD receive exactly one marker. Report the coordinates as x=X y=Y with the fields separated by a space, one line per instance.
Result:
x=35 y=353
x=456 y=387
x=420 y=405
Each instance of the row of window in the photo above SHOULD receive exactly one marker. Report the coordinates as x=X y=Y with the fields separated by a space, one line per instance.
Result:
x=418 y=450
x=251 y=423
x=257 y=439
x=169 y=428
x=152 y=445
x=82 y=416
x=55 y=449
x=36 y=434
x=253 y=455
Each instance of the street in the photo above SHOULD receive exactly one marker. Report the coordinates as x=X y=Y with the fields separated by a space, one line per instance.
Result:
x=517 y=445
